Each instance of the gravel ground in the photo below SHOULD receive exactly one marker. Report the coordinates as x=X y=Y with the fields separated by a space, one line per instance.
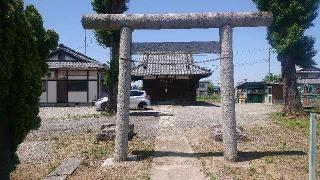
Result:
x=59 y=121
x=65 y=112
x=200 y=116
x=62 y=120
x=34 y=151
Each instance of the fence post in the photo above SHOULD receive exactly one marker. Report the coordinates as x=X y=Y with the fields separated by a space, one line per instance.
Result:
x=313 y=146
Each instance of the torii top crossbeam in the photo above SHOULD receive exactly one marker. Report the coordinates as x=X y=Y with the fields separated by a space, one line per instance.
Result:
x=176 y=21
x=193 y=47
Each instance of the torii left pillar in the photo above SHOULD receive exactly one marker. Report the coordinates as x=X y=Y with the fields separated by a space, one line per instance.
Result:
x=122 y=121
x=227 y=94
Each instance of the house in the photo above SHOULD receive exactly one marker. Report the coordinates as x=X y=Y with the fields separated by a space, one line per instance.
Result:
x=170 y=77
x=274 y=93
x=260 y=92
x=202 y=89
x=73 y=78
x=308 y=81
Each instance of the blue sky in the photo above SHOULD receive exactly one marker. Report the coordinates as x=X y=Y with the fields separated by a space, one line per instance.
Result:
x=249 y=44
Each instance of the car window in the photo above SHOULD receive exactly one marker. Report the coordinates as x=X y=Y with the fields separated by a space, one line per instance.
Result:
x=139 y=93
x=136 y=93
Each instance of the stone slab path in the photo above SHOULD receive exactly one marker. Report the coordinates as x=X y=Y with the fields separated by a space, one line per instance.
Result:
x=174 y=158
x=65 y=169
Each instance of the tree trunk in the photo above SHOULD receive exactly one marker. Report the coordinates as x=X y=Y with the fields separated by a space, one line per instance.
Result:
x=112 y=89
x=5 y=156
x=292 y=102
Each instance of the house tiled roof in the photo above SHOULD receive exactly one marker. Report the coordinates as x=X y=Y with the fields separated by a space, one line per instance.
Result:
x=311 y=69
x=308 y=81
x=77 y=65
x=168 y=64
x=251 y=85
x=80 y=61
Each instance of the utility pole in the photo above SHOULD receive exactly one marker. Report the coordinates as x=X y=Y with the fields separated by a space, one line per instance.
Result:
x=269 y=59
x=85 y=42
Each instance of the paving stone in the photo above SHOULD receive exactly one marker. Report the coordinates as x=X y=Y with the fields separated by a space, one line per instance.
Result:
x=56 y=177
x=67 y=167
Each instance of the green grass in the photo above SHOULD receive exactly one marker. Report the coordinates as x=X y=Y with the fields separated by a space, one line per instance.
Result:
x=211 y=98
x=297 y=123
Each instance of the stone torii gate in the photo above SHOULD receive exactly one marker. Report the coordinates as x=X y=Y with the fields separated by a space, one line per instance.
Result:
x=224 y=21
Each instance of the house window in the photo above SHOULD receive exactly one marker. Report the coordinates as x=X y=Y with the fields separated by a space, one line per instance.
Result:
x=201 y=85
x=77 y=85
x=44 y=86
x=269 y=90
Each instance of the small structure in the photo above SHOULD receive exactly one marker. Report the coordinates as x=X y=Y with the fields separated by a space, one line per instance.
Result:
x=72 y=78
x=260 y=92
x=308 y=80
x=253 y=92
x=169 y=77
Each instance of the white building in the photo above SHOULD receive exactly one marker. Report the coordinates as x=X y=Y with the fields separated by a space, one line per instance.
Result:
x=202 y=89
x=73 y=78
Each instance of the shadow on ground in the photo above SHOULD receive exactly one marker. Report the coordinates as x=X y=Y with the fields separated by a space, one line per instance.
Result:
x=242 y=156
x=201 y=103
x=149 y=113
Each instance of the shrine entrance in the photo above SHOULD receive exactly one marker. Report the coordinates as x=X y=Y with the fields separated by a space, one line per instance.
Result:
x=129 y=22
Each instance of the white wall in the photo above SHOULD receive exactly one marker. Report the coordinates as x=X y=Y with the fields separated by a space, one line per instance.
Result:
x=77 y=97
x=93 y=90
x=43 y=97
x=52 y=91
x=62 y=74
x=77 y=77
x=93 y=75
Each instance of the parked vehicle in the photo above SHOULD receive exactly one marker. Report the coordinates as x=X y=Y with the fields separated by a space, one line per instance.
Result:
x=138 y=99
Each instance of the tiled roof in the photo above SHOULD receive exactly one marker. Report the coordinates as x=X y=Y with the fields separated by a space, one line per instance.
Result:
x=81 y=61
x=71 y=64
x=168 y=64
x=311 y=69
x=308 y=81
x=253 y=85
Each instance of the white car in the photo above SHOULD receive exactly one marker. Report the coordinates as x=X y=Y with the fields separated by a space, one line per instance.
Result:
x=138 y=99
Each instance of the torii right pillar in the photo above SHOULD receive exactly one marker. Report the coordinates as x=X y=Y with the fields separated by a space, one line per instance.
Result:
x=227 y=94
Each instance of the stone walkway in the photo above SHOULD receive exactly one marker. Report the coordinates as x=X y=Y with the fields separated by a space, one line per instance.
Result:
x=174 y=158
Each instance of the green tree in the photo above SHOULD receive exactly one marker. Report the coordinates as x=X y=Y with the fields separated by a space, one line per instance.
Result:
x=24 y=48
x=272 y=78
x=210 y=88
x=110 y=39
x=291 y=18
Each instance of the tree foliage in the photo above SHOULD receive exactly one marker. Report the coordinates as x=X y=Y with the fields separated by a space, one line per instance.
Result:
x=210 y=88
x=286 y=34
x=291 y=18
x=24 y=48
x=110 y=39
x=272 y=78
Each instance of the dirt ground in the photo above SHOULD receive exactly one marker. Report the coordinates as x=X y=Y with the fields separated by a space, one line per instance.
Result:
x=268 y=151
